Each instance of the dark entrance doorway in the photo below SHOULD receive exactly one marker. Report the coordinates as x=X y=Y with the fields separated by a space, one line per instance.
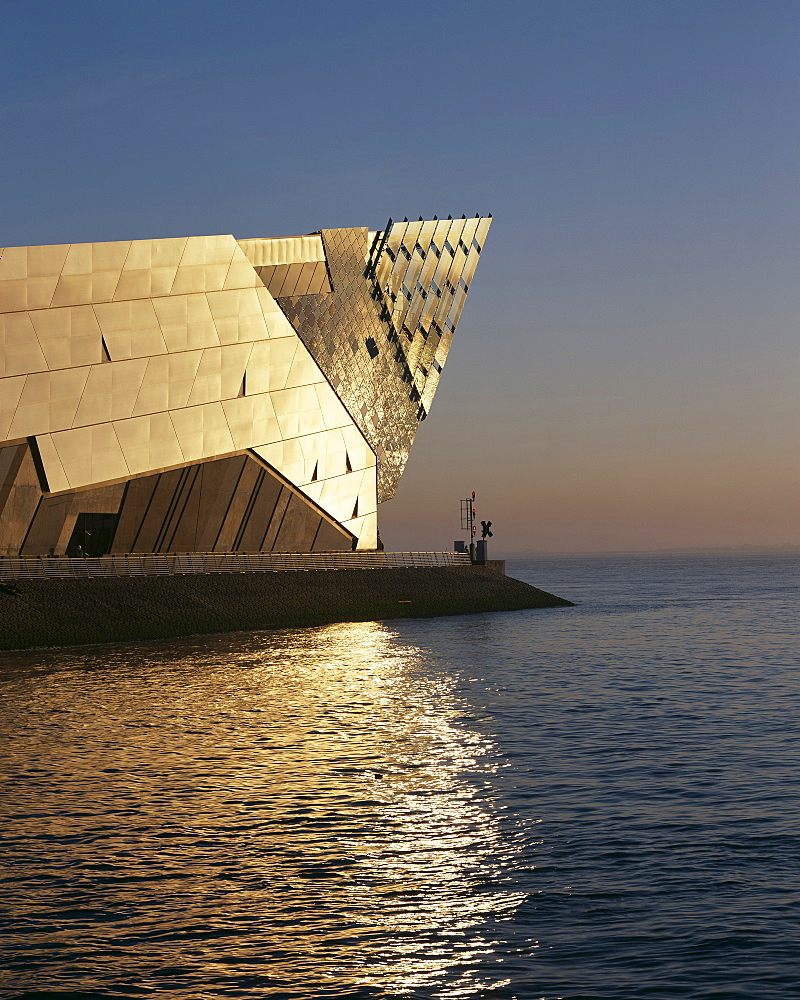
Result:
x=92 y=535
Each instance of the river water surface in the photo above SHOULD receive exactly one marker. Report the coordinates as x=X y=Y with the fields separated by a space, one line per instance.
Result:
x=591 y=802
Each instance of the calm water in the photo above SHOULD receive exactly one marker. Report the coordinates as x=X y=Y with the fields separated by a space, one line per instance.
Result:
x=590 y=802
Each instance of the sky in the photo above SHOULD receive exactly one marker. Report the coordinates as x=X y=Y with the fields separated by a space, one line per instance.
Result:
x=625 y=373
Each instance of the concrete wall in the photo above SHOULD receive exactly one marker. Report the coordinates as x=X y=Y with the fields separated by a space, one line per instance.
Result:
x=72 y=612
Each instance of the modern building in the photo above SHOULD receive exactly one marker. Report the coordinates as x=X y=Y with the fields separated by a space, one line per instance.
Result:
x=209 y=394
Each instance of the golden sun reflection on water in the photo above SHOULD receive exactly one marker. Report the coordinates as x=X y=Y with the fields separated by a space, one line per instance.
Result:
x=431 y=844
x=312 y=807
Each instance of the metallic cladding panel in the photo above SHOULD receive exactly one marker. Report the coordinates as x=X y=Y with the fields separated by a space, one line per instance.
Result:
x=289 y=250
x=20 y=350
x=152 y=354
x=339 y=328
x=120 y=360
x=306 y=279
x=382 y=335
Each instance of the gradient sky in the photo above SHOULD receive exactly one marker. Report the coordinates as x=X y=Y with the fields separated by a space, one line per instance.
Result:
x=625 y=375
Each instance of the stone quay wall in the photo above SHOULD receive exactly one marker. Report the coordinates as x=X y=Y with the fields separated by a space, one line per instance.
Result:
x=63 y=612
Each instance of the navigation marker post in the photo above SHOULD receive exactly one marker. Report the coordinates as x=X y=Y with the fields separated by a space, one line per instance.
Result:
x=483 y=545
x=468 y=522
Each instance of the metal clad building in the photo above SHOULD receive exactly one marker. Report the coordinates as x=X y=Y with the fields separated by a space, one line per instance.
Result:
x=205 y=394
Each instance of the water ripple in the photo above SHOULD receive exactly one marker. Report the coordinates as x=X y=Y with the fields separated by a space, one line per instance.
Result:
x=597 y=802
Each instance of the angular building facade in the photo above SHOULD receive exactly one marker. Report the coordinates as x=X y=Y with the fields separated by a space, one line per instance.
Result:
x=209 y=394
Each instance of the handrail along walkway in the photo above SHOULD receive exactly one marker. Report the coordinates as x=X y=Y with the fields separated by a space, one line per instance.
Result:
x=182 y=564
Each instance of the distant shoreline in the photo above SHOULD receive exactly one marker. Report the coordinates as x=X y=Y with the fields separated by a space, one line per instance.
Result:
x=786 y=550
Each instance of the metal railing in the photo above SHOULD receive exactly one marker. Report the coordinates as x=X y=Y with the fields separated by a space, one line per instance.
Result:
x=61 y=567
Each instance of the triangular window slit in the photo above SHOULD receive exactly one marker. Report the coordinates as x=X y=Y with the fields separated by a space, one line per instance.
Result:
x=316 y=472
x=347 y=464
x=355 y=509
x=243 y=386
x=106 y=355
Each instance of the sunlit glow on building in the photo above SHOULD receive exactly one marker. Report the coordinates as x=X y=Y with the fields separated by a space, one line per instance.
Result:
x=209 y=394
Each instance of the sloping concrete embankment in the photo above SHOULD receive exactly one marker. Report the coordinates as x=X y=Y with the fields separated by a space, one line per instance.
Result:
x=72 y=612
